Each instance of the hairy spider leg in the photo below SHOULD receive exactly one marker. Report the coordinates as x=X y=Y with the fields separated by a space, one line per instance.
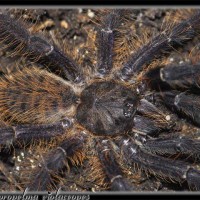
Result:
x=180 y=33
x=22 y=42
x=106 y=33
x=111 y=167
x=173 y=170
x=71 y=149
x=173 y=145
x=28 y=132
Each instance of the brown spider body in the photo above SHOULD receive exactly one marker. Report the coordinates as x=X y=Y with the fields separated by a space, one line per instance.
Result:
x=111 y=117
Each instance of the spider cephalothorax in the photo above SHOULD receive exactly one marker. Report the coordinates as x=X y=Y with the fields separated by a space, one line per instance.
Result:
x=107 y=108
x=120 y=113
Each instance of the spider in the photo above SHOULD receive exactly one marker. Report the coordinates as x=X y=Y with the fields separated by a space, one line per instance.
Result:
x=116 y=117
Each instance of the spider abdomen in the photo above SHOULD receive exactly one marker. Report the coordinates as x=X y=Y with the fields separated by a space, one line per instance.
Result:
x=107 y=108
x=35 y=96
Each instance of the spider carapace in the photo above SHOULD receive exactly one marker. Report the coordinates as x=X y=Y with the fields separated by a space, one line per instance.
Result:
x=112 y=118
x=107 y=108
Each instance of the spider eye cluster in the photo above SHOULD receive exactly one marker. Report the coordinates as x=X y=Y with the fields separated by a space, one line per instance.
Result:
x=107 y=108
x=129 y=108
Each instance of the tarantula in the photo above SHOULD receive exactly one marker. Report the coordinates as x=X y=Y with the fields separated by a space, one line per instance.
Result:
x=115 y=117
